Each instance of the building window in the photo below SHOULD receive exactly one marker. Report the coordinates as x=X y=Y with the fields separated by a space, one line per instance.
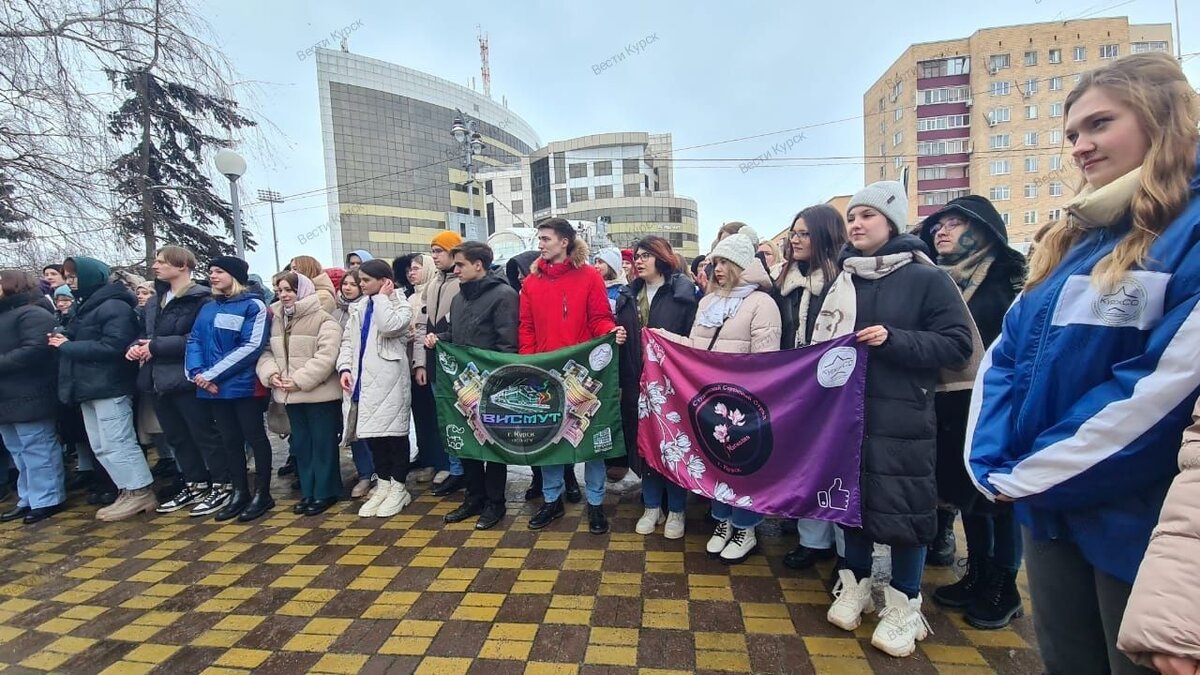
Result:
x=603 y=168
x=633 y=189
x=882 y=150
x=1056 y=137
x=881 y=174
x=1055 y=56
x=1031 y=138
x=518 y=207
x=578 y=170
x=1004 y=217
x=1031 y=86
x=1153 y=46
x=897 y=138
x=604 y=192
x=943 y=122
x=1031 y=112
x=947 y=147
x=1080 y=53
x=998 y=62
x=1055 y=162
x=1031 y=217
x=1001 y=193
x=560 y=197
x=880 y=104
x=1001 y=114
x=1031 y=164
x=940 y=197
x=1056 y=109
x=514 y=184
x=898 y=114
x=1054 y=214
x=999 y=141
x=1031 y=190
x=579 y=194
x=899 y=163
x=1000 y=167
x=1055 y=189
x=1031 y=58
x=1000 y=87
x=882 y=127
x=944 y=95
x=1056 y=84
x=629 y=166
x=1109 y=51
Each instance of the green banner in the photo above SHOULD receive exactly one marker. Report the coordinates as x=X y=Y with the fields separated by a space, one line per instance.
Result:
x=561 y=407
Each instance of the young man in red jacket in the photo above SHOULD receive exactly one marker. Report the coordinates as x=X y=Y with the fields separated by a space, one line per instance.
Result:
x=564 y=303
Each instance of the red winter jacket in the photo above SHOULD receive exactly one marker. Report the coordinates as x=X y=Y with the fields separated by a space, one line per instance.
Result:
x=563 y=304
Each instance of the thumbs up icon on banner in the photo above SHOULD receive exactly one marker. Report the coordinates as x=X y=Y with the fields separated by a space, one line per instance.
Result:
x=835 y=497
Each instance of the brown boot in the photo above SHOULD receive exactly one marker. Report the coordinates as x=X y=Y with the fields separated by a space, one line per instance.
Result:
x=136 y=501
x=103 y=514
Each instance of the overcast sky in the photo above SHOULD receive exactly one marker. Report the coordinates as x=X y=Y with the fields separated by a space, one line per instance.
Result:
x=716 y=71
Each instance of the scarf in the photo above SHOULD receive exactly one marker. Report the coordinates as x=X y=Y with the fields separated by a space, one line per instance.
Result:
x=809 y=285
x=362 y=347
x=724 y=306
x=1094 y=209
x=969 y=271
x=840 y=310
x=304 y=288
x=644 y=300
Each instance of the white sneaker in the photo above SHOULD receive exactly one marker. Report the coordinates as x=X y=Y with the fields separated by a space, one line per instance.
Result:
x=651 y=519
x=901 y=624
x=851 y=599
x=719 y=539
x=674 y=526
x=397 y=498
x=360 y=489
x=370 y=508
x=440 y=477
x=740 y=546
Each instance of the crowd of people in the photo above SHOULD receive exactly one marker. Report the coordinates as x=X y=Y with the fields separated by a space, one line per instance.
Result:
x=1045 y=403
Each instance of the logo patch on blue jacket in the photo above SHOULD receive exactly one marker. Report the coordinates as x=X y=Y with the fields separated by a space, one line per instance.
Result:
x=1136 y=302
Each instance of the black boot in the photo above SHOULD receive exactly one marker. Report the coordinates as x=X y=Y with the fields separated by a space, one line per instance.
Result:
x=165 y=467
x=803 y=557
x=237 y=503
x=492 y=514
x=998 y=601
x=259 y=504
x=469 y=507
x=962 y=593
x=81 y=480
x=288 y=468
x=941 y=551
x=451 y=485
x=549 y=512
x=572 y=491
x=535 y=488
x=597 y=522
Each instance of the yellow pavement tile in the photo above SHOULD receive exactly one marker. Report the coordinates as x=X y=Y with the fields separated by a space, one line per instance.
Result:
x=842 y=647
x=60 y=626
x=327 y=626
x=840 y=665
x=304 y=642
x=505 y=649
x=151 y=653
x=417 y=628
x=45 y=660
x=720 y=642
x=243 y=658
x=134 y=633
x=340 y=663
x=128 y=668
x=608 y=655
x=69 y=645
x=242 y=622
x=468 y=613
x=441 y=665
x=996 y=638
x=514 y=631
x=218 y=638
x=613 y=636
x=950 y=654
x=8 y=633
x=406 y=646
x=544 y=668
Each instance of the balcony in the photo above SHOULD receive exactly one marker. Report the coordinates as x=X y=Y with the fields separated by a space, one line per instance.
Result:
x=943 y=81
x=939 y=109
x=938 y=160
x=940 y=134
x=943 y=184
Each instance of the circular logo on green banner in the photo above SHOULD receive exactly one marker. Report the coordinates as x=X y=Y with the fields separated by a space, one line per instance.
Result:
x=523 y=408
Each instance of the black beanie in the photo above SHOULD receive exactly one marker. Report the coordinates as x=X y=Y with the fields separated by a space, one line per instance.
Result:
x=238 y=269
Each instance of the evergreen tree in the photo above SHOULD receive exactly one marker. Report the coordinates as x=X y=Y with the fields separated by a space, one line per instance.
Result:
x=165 y=195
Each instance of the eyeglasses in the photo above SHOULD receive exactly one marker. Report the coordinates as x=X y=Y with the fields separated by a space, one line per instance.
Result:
x=643 y=256
x=950 y=224
x=798 y=236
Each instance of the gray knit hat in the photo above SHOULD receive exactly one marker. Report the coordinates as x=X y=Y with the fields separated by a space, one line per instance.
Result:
x=738 y=248
x=887 y=197
x=611 y=257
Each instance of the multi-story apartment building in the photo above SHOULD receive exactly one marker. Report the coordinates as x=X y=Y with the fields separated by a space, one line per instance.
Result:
x=984 y=115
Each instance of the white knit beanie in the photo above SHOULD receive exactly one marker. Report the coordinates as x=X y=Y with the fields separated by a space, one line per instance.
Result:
x=887 y=197
x=611 y=257
x=738 y=248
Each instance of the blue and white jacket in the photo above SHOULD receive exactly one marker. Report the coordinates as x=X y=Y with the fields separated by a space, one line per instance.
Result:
x=1080 y=405
x=225 y=342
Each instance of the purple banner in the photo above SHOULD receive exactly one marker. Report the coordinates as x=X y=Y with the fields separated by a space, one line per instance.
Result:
x=777 y=433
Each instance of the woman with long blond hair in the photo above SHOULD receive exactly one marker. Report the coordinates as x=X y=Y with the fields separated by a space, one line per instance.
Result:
x=1082 y=400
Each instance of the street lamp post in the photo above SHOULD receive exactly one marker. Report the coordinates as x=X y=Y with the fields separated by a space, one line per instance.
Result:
x=233 y=167
x=468 y=136
x=273 y=198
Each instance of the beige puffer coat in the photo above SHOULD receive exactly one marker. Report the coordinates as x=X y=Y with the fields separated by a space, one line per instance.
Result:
x=755 y=328
x=326 y=293
x=1163 y=614
x=308 y=355
x=385 y=396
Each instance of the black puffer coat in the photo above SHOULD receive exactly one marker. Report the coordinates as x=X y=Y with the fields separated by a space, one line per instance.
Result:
x=988 y=305
x=167 y=329
x=927 y=330
x=483 y=314
x=92 y=365
x=28 y=379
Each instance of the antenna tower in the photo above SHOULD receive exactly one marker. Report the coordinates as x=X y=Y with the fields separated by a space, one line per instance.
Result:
x=483 y=61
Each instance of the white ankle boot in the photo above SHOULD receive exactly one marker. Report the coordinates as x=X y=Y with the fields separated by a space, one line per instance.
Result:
x=851 y=598
x=370 y=508
x=397 y=498
x=741 y=545
x=674 y=526
x=720 y=537
x=651 y=519
x=901 y=624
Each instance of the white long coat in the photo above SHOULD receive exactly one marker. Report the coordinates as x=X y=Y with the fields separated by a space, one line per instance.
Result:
x=385 y=399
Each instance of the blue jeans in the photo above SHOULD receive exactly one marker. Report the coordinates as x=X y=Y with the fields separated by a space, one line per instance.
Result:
x=653 y=485
x=364 y=465
x=39 y=461
x=739 y=518
x=554 y=480
x=109 y=423
x=908 y=562
x=821 y=534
